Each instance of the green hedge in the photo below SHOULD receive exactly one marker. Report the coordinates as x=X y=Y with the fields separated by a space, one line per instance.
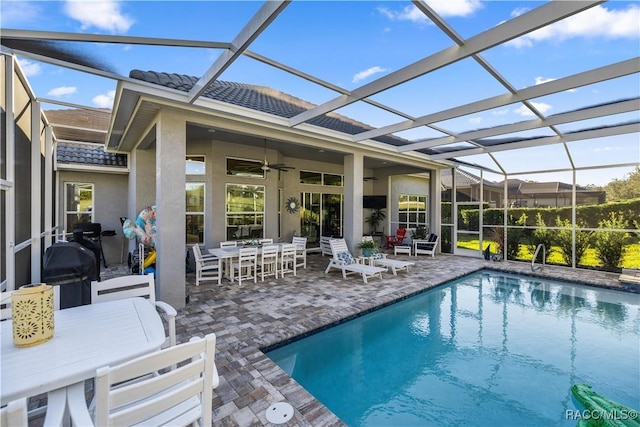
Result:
x=590 y=215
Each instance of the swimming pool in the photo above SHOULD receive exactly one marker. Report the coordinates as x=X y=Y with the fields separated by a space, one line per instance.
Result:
x=486 y=349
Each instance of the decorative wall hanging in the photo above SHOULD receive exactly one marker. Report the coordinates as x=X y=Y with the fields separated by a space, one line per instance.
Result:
x=292 y=205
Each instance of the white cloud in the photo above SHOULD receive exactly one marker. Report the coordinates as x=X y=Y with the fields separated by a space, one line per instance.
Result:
x=367 y=73
x=540 y=80
x=475 y=120
x=446 y=8
x=104 y=15
x=18 y=12
x=455 y=7
x=595 y=22
x=540 y=106
x=29 y=68
x=62 y=91
x=500 y=112
x=104 y=101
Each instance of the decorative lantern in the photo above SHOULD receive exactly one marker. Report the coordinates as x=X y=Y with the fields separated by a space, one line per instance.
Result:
x=32 y=314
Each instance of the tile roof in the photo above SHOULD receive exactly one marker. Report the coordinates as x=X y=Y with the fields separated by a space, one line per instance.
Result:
x=63 y=123
x=262 y=98
x=87 y=154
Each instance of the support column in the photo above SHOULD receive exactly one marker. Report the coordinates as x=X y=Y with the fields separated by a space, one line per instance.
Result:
x=171 y=136
x=36 y=192
x=142 y=184
x=353 y=192
x=435 y=210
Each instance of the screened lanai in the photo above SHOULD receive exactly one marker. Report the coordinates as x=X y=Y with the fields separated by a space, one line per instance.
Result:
x=502 y=93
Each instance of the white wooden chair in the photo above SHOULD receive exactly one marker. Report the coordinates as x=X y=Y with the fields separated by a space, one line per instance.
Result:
x=380 y=259
x=325 y=247
x=301 y=251
x=181 y=396
x=229 y=244
x=426 y=247
x=15 y=413
x=344 y=261
x=268 y=263
x=136 y=285
x=265 y=241
x=288 y=259
x=56 y=399
x=246 y=265
x=208 y=267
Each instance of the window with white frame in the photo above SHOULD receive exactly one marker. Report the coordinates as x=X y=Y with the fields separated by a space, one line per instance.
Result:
x=195 y=212
x=245 y=211
x=78 y=204
x=412 y=211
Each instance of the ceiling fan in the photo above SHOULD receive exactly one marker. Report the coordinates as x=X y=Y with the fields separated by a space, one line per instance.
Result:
x=277 y=166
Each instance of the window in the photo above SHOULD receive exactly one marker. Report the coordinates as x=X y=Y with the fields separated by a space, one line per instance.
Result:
x=195 y=165
x=244 y=168
x=78 y=204
x=245 y=211
x=319 y=178
x=195 y=212
x=412 y=211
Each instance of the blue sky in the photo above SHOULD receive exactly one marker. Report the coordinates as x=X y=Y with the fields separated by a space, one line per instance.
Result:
x=350 y=44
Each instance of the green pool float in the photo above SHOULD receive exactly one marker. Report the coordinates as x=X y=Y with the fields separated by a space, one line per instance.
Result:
x=601 y=411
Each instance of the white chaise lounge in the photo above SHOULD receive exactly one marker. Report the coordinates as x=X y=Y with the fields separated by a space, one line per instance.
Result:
x=380 y=259
x=343 y=260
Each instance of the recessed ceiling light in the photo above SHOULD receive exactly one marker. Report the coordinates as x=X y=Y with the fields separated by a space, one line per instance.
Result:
x=211 y=130
x=321 y=151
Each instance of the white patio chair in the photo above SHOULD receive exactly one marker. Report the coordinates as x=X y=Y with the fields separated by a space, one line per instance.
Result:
x=229 y=244
x=268 y=263
x=181 y=396
x=380 y=259
x=344 y=261
x=265 y=241
x=246 y=265
x=301 y=251
x=208 y=267
x=325 y=247
x=288 y=259
x=15 y=413
x=56 y=399
x=135 y=285
x=426 y=247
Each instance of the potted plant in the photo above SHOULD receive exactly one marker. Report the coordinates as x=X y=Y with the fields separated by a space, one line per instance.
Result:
x=373 y=220
x=420 y=233
x=368 y=247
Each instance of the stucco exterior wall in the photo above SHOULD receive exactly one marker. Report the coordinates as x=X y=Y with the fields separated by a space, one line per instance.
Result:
x=109 y=204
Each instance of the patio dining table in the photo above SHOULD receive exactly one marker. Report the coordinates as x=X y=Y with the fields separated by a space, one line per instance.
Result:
x=85 y=338
x=230 y=252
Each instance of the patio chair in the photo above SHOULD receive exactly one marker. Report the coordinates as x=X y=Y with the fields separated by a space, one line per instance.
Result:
x=325 y=248
x=12 y=414
x=380 y=259
x=268 y=263
x=265 y=241
x=181 y=396
x=288 y=259
x=301 y=251
x=344 y=261
x=246 y=266
x=426 y=247
x=229 y=244
x=397 y=239
x=208 y=267
x=136 y=285
x=15 y=413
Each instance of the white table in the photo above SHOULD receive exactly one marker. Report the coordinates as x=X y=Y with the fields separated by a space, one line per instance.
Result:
x=231 y=252
x=85 y=338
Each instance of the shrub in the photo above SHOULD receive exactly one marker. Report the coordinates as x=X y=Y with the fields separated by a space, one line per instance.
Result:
x=610 y=244
x=564 y=240
x=514 y=236
x=542 y=236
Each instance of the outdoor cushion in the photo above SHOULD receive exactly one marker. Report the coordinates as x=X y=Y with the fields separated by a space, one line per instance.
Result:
x=346 y=257
x=377 y=255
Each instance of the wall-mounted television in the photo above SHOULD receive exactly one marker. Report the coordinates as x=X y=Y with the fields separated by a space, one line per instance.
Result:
x=374 y=202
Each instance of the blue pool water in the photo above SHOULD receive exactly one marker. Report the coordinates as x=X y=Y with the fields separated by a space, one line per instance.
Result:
x=489 y=349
